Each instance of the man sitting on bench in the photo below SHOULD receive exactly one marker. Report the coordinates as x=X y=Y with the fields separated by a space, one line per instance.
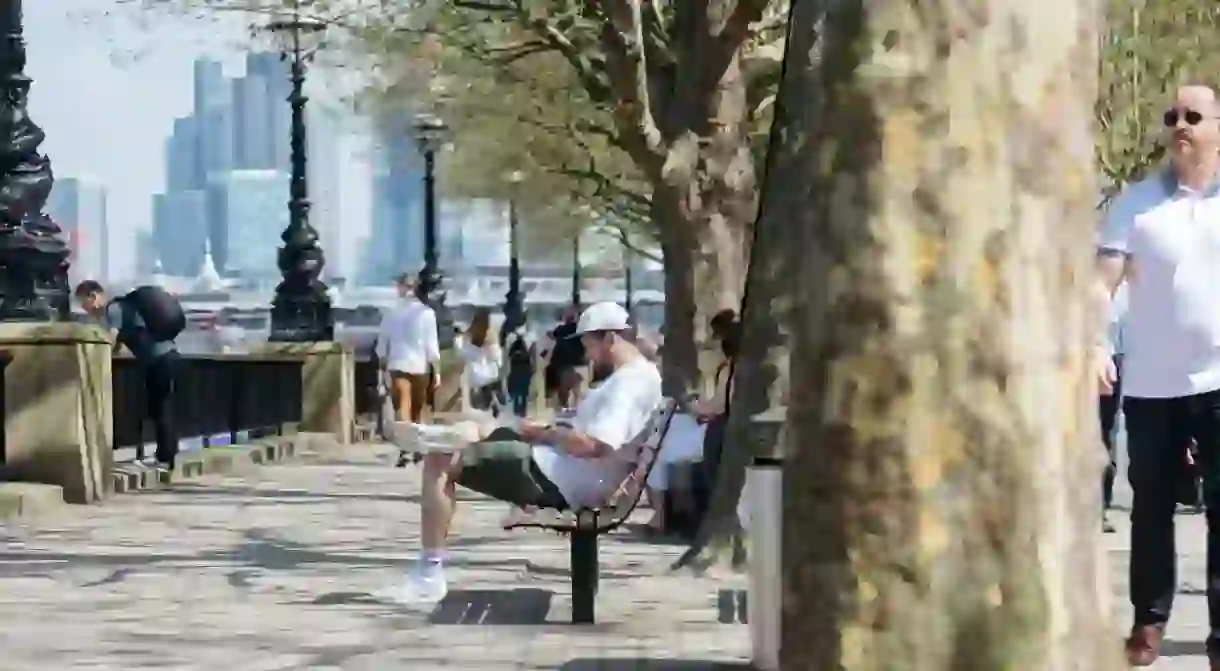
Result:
x=577 y=464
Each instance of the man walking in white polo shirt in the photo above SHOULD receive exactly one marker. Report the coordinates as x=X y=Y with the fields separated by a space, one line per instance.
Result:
x=1163 y=236
x=408 y=348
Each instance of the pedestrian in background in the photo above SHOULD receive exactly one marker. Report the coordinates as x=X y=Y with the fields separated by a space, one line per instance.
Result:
x=408 y=347
x=1109 y=404
x=1162 y=236
x=482 y=362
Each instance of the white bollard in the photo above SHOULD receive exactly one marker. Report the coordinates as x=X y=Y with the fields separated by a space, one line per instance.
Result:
x=764 y=523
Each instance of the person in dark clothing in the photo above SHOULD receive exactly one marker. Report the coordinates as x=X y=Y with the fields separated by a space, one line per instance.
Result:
x=1108 y=406
x=564 y=371
x=520 y=354
x=158 y=359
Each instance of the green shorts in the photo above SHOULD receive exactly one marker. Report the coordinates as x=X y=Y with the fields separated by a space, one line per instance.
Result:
x=503 y=467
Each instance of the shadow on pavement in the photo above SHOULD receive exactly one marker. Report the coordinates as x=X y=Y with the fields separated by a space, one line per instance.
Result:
x=1172 y=648
x=589 y=664
x=494 y=607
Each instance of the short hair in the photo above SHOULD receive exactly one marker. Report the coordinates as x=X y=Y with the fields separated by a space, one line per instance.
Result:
x=88 y=288
x=722 y=322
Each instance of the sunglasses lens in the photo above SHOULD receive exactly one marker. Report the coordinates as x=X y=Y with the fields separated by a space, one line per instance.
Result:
x=1192 y=117
x=1171 y=118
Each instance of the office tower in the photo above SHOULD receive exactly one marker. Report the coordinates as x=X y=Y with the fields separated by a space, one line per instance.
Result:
x=254 y=136
x=324 y=149
x=180 y=231
x=275 y=72
x=248 y=212
x=214 y=121
x=396 y=242
x=78 y=205
x=181 y=166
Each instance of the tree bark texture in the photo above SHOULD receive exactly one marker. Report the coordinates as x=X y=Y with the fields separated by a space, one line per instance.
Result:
x=941 y=493
x=760 y=376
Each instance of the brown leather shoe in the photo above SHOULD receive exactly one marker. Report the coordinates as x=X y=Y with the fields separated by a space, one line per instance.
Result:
x=1144 y=645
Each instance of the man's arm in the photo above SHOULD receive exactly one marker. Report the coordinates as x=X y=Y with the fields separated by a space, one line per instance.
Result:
x=576 y=443
x=113 y=320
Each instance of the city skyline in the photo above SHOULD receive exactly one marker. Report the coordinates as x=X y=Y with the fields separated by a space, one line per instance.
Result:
x=107 y=91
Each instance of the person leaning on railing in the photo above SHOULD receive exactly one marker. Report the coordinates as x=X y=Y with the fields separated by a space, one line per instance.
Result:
x=145 y=321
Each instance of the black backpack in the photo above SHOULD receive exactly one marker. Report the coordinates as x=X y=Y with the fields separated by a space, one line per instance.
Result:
x=161 y=312
x=519 y=358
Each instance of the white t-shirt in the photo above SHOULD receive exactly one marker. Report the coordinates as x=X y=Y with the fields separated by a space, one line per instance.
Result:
x=482 y=363
x=613 y=413
x=1171 y=335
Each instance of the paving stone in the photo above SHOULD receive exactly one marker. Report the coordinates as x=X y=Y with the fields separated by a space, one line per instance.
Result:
x=274 y=569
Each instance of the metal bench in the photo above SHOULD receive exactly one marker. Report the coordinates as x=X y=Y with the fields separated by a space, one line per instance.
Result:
x=584 y=525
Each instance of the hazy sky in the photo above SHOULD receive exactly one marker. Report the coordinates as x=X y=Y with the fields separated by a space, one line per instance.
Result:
x=107 y=90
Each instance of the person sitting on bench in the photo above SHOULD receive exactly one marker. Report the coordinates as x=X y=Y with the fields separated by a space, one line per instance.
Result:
x=688 y=433
x=562 y=466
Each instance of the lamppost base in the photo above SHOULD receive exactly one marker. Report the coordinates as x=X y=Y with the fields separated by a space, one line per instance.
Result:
x=302 y=316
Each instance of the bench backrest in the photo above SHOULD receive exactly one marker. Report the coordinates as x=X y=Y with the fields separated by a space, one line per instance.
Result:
x=646 y=446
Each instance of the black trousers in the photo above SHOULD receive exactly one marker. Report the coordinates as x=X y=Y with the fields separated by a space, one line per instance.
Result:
x=1108 y=409
x=1158 y=433
x=161 y=384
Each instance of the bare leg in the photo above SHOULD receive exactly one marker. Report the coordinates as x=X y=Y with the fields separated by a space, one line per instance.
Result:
x=439 y=501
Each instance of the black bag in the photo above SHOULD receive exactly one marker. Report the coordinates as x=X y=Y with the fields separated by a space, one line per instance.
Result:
x=161 y=312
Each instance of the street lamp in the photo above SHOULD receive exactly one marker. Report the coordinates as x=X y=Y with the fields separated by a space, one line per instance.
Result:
x=33 y=259
x=576 y=270
x=514 y=302
x=627 y=279
x=431 y=134
x=301 y=309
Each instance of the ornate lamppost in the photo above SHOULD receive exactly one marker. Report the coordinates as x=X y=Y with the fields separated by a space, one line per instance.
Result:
x=514 y=301
x=431 y=134
x=576 y=279
x=301 y=309
x=33 y=259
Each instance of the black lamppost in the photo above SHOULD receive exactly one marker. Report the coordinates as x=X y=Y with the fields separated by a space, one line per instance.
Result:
x=431 y=134
x=301 y=310
x=514 y=301
x=576 y=270
x=627 y=279
x=33 y=259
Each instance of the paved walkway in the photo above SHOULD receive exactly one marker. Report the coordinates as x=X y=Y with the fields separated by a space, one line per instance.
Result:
x=274 y=571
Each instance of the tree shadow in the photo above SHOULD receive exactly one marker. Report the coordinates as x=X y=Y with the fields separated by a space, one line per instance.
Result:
x=1173 y=648
x=643 y=664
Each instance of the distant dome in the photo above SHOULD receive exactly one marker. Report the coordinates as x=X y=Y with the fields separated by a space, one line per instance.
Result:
x=158 y=274
x=209 y=280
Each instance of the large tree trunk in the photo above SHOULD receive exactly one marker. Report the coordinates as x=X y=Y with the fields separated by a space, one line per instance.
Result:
x=941 y=505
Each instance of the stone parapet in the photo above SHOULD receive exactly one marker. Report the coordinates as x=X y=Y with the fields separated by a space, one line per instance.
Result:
x=57 y=408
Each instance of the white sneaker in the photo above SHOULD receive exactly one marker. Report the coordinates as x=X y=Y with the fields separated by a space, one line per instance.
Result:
x=419 y=589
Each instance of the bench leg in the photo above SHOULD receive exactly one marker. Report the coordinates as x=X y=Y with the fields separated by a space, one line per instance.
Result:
x=584 y=575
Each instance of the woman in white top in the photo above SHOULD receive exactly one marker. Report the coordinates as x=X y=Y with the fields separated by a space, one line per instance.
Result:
x=482 y=362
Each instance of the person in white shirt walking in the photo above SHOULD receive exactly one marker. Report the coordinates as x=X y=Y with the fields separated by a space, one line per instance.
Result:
x=1109 y=403
x=1162 y=235
x=481 y=362
x=545 y=466
x=408 y=348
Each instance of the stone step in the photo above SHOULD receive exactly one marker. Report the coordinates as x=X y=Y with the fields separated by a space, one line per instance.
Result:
x=222 y=460
x=29 y=499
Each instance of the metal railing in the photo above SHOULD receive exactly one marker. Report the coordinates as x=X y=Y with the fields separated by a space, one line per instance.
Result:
x=231 y=395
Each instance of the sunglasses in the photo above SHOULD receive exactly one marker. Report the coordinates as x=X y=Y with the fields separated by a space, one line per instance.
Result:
x=1191 y=117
